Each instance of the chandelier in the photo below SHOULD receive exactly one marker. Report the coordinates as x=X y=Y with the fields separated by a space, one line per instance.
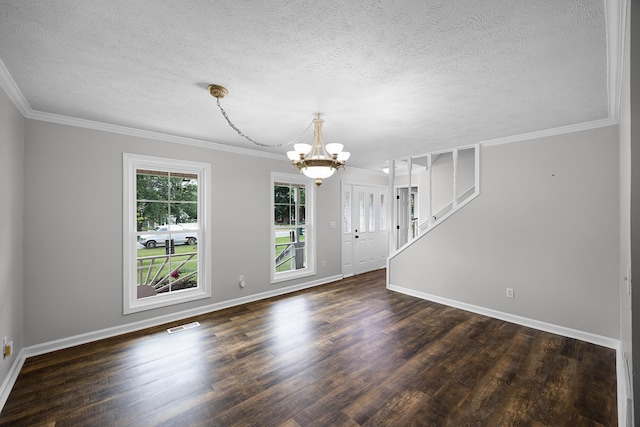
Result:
x=316 y=161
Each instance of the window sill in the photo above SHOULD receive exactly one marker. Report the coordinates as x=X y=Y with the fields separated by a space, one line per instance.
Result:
x=179 y=297
x=283 y=277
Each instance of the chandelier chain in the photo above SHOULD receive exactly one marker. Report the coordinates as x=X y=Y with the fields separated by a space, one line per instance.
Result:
x=234 y=127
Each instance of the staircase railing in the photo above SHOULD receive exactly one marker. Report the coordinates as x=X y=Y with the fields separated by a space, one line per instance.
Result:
x=432 y=186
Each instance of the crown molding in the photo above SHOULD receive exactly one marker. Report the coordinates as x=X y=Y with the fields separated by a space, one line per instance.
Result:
x=15 y=95
x=147 y=134
x=13 y=91
x=616 y=19
x=550 y=132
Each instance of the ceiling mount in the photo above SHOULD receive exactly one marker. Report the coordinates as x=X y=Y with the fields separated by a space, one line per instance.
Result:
x=218 y=91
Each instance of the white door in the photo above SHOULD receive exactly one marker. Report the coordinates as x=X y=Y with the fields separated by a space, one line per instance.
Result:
x=365 y=229
x=404 y=215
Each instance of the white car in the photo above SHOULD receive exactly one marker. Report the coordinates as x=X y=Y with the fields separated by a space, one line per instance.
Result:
x=180 y=235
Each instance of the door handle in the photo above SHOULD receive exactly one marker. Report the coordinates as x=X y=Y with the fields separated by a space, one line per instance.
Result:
x=357 y=237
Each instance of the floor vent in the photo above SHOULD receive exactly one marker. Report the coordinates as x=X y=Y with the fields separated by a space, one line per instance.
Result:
x=183 y=327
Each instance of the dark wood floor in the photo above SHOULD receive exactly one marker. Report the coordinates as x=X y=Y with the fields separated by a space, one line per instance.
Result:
x=349 y=353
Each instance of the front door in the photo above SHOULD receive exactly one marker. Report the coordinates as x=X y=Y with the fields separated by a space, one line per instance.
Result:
x=365 y=229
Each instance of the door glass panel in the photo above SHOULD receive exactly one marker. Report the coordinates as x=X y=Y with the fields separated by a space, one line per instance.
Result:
x=346 y=212
x=362 y=211
x=383 y=217
x=372 y=217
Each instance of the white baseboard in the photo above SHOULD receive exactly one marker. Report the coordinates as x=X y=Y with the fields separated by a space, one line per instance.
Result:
x=63 y=343
x=623 y=376
x=11 y=378
x=518 y=320
x=624 y=387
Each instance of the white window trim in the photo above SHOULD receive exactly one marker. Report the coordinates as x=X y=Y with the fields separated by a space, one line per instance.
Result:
x=131 y=162
x=310 y=218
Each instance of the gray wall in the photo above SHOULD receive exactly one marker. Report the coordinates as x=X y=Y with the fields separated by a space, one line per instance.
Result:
x=12 y=128
x=73 y=227
x=546 y=223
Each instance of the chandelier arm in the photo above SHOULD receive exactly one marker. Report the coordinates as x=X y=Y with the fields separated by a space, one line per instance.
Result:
x=234 y=127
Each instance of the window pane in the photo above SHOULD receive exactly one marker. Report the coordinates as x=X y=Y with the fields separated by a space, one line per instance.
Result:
x=152 y=185
x=301 y=215
x=301 y=203
x=167 y=230
x=303 y=195
x=161 y=269
x=147 y=265
x=281 y=194
x=290 y=249
x=346 y=212
x=372 y=217
x=282 y=215
x=150 y=215
x=184 y=213
x=184 y=188
x=184 y=269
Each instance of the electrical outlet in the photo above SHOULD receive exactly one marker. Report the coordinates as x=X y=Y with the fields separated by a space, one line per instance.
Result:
x=241 y=281
x=324 y=264
x=510 y=293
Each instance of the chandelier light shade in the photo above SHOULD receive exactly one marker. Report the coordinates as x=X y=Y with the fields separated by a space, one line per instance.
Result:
x=318 y=161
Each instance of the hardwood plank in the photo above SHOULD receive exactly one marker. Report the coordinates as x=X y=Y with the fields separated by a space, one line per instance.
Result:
x=350 y=353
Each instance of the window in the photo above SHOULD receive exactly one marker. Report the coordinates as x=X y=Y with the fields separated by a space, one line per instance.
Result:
x=292 y=227
x=165 y=232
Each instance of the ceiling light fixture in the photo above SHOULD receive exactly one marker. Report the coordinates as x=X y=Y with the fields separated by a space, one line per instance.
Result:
x=316 y=161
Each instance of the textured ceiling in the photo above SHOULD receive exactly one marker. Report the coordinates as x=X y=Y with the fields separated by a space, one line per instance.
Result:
x=392 y=77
